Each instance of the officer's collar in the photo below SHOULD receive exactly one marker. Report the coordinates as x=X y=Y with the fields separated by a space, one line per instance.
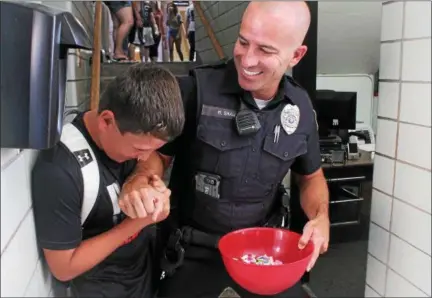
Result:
x=292 y=90
x=230 y=85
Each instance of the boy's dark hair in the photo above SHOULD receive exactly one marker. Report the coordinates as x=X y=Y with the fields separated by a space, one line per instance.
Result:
x=145 y=99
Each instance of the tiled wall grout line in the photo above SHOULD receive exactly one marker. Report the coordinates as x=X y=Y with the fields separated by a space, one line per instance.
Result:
x=403 y=162
x=17 y=229
x=406 y=39
x=396 y=147
x=400 y=200
x=403 y=122
x=396 y=236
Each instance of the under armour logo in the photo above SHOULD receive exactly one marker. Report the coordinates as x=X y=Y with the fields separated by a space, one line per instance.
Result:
x=335 y=122
x=83 y=156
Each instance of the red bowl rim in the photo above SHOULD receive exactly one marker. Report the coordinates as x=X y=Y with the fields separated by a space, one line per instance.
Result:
x=263 y=228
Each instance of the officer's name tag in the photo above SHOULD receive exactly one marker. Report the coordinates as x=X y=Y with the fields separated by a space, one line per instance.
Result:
x=218 y=112
x=208 y=184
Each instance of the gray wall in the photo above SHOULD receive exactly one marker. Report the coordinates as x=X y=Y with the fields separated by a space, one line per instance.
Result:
x=224 y=18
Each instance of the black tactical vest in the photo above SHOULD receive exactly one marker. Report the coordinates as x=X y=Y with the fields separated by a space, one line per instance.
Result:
x=246 y=170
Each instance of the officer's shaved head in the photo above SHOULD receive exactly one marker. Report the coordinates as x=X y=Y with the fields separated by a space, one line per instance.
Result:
x=270 y=42
x=291 y=18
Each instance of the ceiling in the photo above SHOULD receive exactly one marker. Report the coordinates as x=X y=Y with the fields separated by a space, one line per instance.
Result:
x=348 y=37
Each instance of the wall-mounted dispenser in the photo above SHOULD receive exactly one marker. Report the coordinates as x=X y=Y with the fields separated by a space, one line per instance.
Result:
x=34 y=43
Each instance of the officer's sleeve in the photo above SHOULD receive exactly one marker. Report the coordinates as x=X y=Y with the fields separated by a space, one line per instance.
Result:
x=189 y=97
x=311 y=161
x=57 y=206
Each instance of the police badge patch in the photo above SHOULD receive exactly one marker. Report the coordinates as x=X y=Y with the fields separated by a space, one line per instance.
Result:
x=290 y=118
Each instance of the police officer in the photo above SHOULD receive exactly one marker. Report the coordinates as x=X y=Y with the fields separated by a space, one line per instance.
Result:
x=246 y=125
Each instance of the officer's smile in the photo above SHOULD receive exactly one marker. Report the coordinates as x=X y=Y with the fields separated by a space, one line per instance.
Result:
x=248 y=73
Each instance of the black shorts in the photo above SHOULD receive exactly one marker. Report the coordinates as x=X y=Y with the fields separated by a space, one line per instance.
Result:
x=115 y=6
x=154 y=49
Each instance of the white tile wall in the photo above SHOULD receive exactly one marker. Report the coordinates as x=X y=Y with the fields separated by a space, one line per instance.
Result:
x=15 y=197
x=401 y=220
x=412 y=225
x=19 y=260
x=386 y=137
x=383 y=174
x=410 y=263
x=376 y=274
x=391 y=21
x=378 y=242
x=416 y=103
x=40 y=283
x=416 y=64
x=20 y=255
x=413 y=185
x=417 y=19
x=400 y=287
x=369 y=292
x=388 y=99
x=381 y=209
x=390 y=61
x=414 y=145
x=8 y=155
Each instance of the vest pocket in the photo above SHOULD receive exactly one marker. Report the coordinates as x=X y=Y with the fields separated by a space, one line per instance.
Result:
x=278 y=157
x=222 y=152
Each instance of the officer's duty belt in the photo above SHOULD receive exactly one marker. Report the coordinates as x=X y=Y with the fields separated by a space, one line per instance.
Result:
x=179 y=241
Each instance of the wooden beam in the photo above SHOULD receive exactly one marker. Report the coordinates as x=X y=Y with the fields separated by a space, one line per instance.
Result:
x=216 y=45
x=96 y=58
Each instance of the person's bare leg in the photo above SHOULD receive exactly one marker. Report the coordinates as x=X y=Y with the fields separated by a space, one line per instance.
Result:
x=145 y=53
x=125 y=17
x=177 y=43
x=171 y=48
x=115 y=22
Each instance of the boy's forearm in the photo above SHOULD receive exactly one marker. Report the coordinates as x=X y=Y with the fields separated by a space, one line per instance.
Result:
x=154 y=165
x=93 y=251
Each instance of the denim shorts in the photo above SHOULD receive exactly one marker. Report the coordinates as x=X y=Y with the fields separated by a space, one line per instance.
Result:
x=115 y=6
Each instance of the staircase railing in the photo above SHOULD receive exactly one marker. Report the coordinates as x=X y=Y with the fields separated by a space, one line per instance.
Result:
x=96 y=57
x=215 y=42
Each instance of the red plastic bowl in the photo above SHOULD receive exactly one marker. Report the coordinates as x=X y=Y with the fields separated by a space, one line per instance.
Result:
x=281 y=244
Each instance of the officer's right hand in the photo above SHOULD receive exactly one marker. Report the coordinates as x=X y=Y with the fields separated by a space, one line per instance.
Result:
x=141 y=198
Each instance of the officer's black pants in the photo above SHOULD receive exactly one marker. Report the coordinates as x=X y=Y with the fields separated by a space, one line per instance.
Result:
x=207 y=278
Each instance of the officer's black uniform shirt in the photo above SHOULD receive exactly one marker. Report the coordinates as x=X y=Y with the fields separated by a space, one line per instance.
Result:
x=57 y=190
x=304 y=164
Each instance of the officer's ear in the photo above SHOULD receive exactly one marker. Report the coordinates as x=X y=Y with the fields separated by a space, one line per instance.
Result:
x=298 y=55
